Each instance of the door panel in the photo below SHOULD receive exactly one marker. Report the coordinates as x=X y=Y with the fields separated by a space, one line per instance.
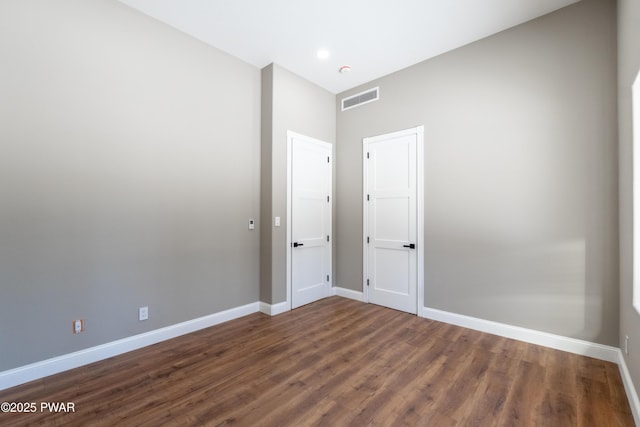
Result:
x=392 y=268
x=393 y=171
x=391 y=217
x=310 y=224
x=307 y=270
x=310 y=220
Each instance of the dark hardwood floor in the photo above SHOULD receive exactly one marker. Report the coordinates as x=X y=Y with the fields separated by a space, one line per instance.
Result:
x=335 y=362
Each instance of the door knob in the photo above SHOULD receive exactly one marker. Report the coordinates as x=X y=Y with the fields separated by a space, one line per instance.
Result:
x=296 y=244
x=410 y=246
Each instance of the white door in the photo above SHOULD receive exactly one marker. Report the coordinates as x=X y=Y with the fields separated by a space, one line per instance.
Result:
x=311 y=163
x=392 y=208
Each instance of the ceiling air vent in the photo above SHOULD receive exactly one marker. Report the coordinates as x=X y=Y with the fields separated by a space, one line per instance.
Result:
x=360 y=99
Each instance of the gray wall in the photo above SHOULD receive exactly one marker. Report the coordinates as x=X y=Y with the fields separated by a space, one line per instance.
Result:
x=129 y=166
x=520 y=173
x=300 y=106
x=628 y=68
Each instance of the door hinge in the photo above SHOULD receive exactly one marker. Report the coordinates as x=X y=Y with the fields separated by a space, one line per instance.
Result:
x=367 y=239
x=367 y=282
x=367 y=197
x=327 y=199
x=327 y=238
x=367 y=154
x=327 y=277
x=328 y=159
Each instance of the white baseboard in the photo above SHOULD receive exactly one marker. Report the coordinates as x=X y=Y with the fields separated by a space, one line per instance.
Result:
x=348 y=293
x=632 y=395
x=572 y=345
x=274 y=309
x=34 y=371
x=76 y=359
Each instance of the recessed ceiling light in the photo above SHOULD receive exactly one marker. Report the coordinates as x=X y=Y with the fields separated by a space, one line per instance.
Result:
x=344 y=69
x=323 y=54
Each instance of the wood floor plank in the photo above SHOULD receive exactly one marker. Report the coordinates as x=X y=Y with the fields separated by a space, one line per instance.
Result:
x=558 y=409
x=336 y=362
x=487 y=404
x=560 y=374
x=594 y=405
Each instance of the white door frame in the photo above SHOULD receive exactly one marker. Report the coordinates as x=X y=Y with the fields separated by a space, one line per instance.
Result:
x=290 y=137
x=419 y=132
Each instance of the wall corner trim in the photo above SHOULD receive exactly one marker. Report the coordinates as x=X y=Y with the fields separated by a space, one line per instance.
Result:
x=274 y=309
x=632 y=395
x=37 y=370
x=348 y=293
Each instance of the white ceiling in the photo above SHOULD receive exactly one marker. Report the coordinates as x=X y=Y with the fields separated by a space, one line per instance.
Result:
x=374 y=37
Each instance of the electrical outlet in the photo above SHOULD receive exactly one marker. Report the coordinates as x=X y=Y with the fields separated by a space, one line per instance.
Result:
x=78 y=326
x=143 y=313
x=626 y=345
